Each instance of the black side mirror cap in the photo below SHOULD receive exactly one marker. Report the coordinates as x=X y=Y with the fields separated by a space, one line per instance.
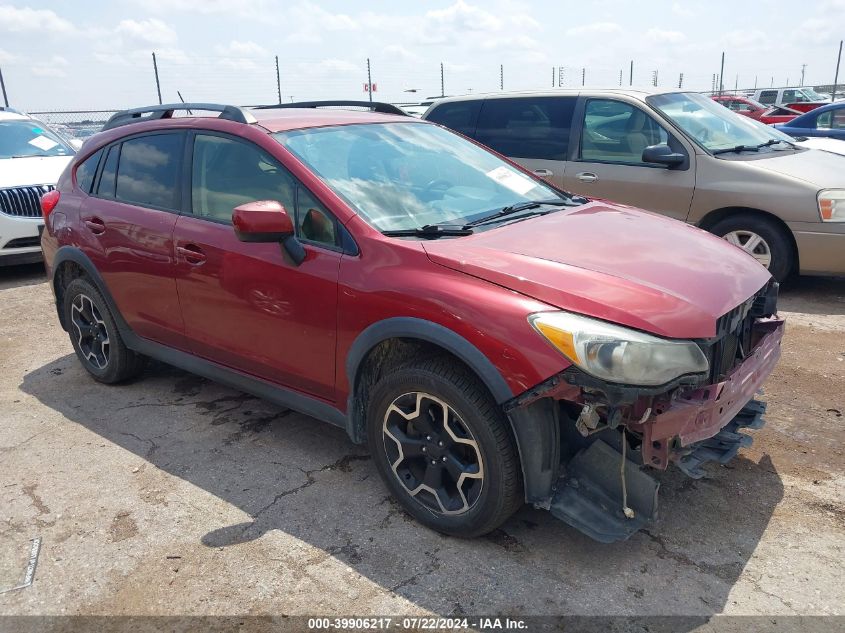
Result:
x=663 y=155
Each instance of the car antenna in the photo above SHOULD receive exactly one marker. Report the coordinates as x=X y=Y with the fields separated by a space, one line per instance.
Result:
x=182 y=100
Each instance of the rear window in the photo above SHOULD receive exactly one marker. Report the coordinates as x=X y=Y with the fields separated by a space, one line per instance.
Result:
x=148 y=171
x=536 y=127
x=460 y=116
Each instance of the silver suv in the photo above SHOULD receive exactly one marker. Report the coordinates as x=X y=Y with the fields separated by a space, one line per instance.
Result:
x=677 y=153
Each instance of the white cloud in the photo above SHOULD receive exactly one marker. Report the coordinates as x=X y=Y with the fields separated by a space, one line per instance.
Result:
x=659 y=36
x=746 y=40
x=54 y=67
x=242 y=8
x=237 y=48
x=6 y=57
x=460 y=20
x=307 y=22
x=683 y=10
x=242 y=55
x=27 y=19
x=824 y=30
x=151 y=32
x=596 y=28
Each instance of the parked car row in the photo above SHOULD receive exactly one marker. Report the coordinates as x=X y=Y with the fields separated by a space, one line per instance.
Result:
x=493 y=339
x=496 y=332
x=677 y=153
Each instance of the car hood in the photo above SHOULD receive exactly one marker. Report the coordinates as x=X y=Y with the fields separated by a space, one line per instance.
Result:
x=33 y=170
x=615 y=263
x=819 y=169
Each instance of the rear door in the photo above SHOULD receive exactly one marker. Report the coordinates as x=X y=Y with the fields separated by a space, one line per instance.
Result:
x=608 y=160
x=533 y=131
x=246 y=305
x=126 y=229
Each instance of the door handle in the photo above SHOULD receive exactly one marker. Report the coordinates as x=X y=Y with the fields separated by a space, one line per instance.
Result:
x=95 y=225
x=586 y=176
x=543 y=173
x=192 y=254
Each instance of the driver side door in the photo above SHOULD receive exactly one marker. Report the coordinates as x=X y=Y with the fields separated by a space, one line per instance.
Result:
x=247 y=306
x=607 y=163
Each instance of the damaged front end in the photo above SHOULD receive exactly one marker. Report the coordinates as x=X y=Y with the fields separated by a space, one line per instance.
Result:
x=587 y=445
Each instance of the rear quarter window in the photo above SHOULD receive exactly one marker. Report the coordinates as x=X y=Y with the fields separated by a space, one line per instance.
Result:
x=86 y=171
x=460 y=116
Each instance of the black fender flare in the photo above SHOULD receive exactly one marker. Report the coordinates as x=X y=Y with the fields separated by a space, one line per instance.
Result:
x=75 y=255
x=451 y=341
x=535 y=427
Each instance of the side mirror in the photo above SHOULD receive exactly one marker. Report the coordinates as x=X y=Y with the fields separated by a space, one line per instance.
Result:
x=663 y=155
x=267 y=221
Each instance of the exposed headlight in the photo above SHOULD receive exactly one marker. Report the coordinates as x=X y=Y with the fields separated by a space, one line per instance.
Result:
x=832 y=205
x=618 y=354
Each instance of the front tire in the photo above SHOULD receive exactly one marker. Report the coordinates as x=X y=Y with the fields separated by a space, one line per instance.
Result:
x=444 y=448
x=761 y=238
x=95 y=337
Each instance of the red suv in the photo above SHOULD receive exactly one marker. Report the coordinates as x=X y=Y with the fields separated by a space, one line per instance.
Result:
x=494 y=340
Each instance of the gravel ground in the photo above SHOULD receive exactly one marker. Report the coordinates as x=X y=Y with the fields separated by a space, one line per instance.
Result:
x=174 y=495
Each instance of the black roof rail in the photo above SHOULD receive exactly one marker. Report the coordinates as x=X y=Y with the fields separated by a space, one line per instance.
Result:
x=165 y=111
x=374 y=106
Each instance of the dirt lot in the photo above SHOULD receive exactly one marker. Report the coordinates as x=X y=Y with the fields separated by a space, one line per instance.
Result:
x=174 y=495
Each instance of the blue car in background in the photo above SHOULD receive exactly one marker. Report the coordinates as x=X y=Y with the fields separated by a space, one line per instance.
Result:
x=828 y=120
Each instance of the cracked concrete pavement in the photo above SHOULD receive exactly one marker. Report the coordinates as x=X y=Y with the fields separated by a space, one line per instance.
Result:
x=175 y=495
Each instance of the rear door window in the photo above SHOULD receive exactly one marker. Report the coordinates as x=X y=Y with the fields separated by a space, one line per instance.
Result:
x=768 y=97
x=149 y=169
x=618 y=132
x=460 y=116
x=534 y=127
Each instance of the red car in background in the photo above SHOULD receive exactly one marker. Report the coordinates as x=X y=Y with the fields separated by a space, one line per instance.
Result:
x=755 y=109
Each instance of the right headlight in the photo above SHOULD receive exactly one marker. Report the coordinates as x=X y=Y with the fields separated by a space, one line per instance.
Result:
x=832 y=205
x=618 y=354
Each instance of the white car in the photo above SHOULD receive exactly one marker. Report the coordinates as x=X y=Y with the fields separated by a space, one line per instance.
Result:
x=835 y=145
x=32 y=157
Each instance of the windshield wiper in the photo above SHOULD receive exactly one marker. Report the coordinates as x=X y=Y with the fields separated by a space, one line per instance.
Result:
x=515 y=208
x=431 y=231
x=749 y=148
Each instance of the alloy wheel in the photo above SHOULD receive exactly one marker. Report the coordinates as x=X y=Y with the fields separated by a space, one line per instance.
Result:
x=432 y=453
x=753 y=244
x=92 y=337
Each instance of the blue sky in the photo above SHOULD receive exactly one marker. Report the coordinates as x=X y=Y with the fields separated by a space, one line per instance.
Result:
x=63 y=55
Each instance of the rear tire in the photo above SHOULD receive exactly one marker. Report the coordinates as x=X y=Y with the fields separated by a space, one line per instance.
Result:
x=95 y=337
x=444 y=448
x=769 y=239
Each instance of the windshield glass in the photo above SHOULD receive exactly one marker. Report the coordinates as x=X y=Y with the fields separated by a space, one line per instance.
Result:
x=407 y=175
x=26 y=137
x=812 y=95
x=709 y=124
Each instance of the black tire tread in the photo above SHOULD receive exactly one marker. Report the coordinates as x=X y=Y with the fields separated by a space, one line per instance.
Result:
x=447 y=368
x=124 y=364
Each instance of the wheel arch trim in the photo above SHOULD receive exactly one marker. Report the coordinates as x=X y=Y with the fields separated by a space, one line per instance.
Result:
x=430 y=332
x=72 y=254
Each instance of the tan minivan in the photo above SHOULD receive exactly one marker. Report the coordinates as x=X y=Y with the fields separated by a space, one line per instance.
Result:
x=677 y=153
